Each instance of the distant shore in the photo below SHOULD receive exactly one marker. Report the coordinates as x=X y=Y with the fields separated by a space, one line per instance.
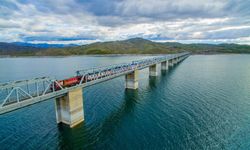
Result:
x=110 y=55
x=92 y=55
x=129 y=47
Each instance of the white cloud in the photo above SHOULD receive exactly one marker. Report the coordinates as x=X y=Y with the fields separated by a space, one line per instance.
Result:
x=65 y=21
x=231 y=28
x=78 y=42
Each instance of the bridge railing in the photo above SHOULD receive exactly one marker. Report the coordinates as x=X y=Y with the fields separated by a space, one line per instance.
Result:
x=96 y=73
x=144 y=61
x=19 y=91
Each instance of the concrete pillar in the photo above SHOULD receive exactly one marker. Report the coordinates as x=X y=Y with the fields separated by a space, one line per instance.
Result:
x=153 y=70
x=175 y=61
x=164 y=65
x=69 y=108
x=132 y=80
x=170 y=63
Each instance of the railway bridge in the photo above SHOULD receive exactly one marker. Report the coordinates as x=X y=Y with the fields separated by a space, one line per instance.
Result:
x=68 y=92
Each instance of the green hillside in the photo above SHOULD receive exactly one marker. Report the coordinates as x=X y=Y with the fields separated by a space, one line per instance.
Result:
x=132 y=46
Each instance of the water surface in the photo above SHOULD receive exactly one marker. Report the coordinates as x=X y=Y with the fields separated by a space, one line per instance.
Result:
x=202 y=103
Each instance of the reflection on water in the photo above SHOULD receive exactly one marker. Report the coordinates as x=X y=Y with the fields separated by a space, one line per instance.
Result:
x=69 y=136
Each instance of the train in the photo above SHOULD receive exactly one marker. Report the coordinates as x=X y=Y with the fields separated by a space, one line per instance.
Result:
x=66 y=83
x=69 y=82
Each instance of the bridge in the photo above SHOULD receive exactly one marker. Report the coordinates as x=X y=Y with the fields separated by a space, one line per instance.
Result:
x=68 y=92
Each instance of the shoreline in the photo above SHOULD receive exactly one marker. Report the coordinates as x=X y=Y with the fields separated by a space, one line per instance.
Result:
x=114 y=55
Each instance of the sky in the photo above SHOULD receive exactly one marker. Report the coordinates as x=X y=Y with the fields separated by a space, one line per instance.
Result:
x=88 y=21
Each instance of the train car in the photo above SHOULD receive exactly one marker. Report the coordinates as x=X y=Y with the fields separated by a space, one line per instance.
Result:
x=71 y=81
x=67 y=82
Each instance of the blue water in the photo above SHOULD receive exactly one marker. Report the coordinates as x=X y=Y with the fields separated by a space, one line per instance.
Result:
x=202 y=103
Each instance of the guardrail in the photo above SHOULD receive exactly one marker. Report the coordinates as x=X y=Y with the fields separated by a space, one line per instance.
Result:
x=18 y=94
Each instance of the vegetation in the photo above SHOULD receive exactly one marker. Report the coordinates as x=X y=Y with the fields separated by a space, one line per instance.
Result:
x=131 y=46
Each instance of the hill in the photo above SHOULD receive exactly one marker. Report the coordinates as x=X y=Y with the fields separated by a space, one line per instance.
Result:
x=142 y=46
x=15 y=49
x=27 y=49
x=130 y=46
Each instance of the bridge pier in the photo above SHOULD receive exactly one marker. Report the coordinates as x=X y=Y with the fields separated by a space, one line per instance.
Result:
x=175 y=61
x=164 y=65
x=171 y=63
x=69 y=108
x=132 y=80
x=153 y=70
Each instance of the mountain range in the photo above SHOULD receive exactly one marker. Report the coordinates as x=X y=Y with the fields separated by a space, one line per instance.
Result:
x=130 y=46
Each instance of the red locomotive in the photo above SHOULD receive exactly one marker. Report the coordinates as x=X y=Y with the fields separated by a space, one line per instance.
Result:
x=67 y=82
x=89 y=77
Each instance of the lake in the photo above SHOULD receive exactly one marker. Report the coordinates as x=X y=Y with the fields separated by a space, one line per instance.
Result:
x=201 y=103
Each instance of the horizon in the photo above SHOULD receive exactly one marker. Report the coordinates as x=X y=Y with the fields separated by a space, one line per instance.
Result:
x=84 y=22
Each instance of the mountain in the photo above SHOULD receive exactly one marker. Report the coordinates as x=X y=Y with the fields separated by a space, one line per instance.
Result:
x=143 y=46
x=21 y=48
x=130 y=46
x=14 y=49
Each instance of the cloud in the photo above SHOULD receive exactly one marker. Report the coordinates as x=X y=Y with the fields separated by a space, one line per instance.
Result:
x=83 y=21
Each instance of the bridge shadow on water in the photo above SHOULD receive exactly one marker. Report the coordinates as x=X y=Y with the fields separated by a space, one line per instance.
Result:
x=90 y=136
x=163 y=76
x=96 y=135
